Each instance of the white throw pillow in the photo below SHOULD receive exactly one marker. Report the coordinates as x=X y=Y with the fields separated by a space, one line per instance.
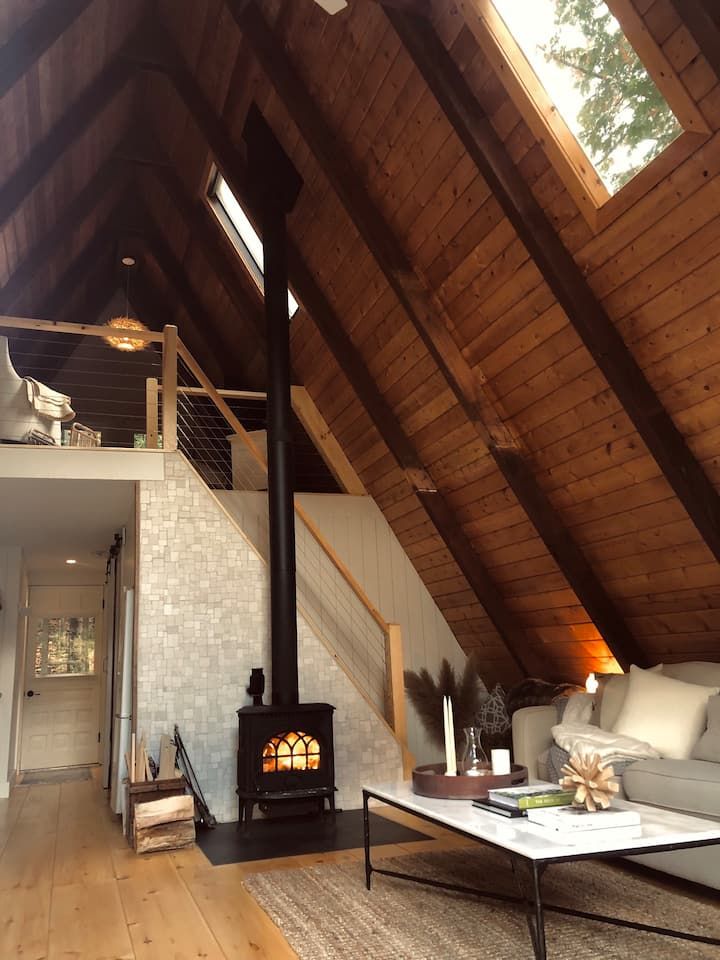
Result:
x=669 y=714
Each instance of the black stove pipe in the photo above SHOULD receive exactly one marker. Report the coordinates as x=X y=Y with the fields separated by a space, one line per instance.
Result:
x=276 y=184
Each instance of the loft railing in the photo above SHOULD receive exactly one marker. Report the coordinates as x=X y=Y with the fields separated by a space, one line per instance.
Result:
x=163 y=396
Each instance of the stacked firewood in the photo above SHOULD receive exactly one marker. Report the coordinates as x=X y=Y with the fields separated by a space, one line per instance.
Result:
x=164 y=824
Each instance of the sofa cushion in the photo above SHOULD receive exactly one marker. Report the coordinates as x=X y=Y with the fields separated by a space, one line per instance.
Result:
x=708 y=746
x=669 y=714
x=611 y=695
x=691 y=786
x=694 y=671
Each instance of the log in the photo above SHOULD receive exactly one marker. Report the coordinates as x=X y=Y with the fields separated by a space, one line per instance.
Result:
x=166 y=810
x=167 y=758
x=165 y=836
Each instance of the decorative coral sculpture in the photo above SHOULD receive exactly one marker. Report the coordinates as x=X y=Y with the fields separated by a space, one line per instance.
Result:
x=592 y=782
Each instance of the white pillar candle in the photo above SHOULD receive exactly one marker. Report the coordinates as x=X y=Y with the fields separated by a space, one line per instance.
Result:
x=452 y=766
x=500 y=762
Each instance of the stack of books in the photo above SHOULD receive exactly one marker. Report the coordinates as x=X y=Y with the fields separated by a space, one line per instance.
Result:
x=517 y=801
x=575 y=825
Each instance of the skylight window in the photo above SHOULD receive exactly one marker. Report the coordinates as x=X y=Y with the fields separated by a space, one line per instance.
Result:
x=596 y=82
x=242 y=233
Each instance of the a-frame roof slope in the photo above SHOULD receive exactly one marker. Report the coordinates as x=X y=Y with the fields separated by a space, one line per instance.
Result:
x=530 y=394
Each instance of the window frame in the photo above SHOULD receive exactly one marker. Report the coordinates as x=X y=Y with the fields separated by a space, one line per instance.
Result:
x=235 y=237
x=564 y=151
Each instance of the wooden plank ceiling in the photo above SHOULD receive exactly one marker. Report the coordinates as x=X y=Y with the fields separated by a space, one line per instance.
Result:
x=531 y=400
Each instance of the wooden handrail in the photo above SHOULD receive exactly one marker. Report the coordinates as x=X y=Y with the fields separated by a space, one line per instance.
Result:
x=151 y=413
x=169 y=396
x=257 y=454
x=76 y=329
x=397 y=717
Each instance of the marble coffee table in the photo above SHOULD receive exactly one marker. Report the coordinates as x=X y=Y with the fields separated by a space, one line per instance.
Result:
x=531 y=850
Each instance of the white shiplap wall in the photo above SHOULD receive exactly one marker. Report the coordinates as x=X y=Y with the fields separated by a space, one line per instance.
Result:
x=357 y=530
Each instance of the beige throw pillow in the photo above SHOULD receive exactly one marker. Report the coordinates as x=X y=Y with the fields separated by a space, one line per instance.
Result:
x=670 y=714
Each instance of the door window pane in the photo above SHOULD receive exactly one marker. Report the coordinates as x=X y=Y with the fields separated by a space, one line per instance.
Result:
x=65 y=646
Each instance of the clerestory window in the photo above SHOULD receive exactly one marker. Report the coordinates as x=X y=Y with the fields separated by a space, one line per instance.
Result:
x=241 y=232
x=593 y=86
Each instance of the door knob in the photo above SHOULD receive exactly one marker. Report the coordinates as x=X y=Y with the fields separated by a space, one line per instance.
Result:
x=31 y=693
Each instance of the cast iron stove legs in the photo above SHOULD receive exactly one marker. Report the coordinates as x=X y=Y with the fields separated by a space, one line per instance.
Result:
x=533 y=901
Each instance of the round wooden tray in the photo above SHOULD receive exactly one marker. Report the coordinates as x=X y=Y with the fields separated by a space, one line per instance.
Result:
x=430 y=781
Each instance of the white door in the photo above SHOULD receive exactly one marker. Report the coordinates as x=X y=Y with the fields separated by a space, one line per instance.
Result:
x=61 y=708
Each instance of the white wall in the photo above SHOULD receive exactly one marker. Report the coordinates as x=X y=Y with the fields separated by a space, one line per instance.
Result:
x=203 y=623
x=11 y=574
x=357 y=530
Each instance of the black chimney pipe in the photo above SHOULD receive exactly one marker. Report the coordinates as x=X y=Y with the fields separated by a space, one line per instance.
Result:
x=275 y=184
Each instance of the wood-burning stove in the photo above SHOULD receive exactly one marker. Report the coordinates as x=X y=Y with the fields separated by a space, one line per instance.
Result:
x=285 y=754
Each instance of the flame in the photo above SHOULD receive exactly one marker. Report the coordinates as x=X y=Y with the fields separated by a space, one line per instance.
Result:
x=294 y=750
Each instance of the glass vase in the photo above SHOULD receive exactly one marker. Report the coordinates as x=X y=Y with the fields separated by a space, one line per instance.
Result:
x=474 y=762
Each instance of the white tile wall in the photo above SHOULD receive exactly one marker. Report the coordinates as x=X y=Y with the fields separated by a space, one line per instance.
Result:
x=203 y=622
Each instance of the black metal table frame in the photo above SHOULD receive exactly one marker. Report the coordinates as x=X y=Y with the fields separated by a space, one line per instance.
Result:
x=531 y=894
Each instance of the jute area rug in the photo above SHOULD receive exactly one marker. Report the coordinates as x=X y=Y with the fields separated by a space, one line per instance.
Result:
x=326 y=913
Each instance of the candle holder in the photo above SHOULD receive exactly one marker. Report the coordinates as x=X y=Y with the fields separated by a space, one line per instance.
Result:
x=430 y=780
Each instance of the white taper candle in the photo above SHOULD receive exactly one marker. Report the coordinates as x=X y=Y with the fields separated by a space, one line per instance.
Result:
x=452 y=767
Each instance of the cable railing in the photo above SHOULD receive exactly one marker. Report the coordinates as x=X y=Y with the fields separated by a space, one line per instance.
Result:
x=161 y=399
x=63 y=385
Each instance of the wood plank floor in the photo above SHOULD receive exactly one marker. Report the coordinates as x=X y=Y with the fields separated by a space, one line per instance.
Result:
x=71 y=889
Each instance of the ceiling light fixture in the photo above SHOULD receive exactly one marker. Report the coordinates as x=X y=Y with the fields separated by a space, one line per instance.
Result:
x=70 y=561
x=127 y=343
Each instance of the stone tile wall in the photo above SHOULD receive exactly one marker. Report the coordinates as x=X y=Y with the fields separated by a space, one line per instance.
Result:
x=203 y=622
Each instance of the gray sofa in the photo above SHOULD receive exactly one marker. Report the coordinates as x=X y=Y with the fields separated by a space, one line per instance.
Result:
x=691 y=786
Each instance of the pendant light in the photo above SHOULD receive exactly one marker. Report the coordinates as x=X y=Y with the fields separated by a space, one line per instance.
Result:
x=126 y=342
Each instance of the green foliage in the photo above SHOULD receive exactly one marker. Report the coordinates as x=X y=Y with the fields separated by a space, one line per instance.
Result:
x=426 y=695
x=623 y=108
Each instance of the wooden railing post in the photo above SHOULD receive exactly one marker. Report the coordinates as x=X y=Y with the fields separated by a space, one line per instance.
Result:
x=396 y=693
x=151 y=413
x=169 y=392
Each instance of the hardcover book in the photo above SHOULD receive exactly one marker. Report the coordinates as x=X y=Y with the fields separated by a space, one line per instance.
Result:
x=531 y=795
x=498 y=809
x=609 y=838
x=577 y=819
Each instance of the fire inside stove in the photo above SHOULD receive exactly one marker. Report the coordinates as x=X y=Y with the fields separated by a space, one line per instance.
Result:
x=291 y=751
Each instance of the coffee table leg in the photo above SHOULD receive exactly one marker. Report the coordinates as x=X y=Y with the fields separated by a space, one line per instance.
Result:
x=533 y=902
x=366 y=833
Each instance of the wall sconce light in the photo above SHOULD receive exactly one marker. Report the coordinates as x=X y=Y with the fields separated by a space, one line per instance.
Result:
x=591 y=684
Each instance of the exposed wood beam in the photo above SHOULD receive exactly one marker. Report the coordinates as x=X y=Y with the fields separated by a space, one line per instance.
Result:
x=232 y=163
x=34 y=37
x=57 y=301
x=199 y=219
x=421 y=8
x=100 y=245
x=704 y=29
x=421 y=306
x=60 y=233
x=427 y=315
x=213 y=350
x=143 y=151
x=317 y=429
x=71 y=126
x=563 y=276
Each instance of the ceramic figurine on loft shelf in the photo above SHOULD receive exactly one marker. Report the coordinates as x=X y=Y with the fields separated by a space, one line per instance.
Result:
x=474 y=762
